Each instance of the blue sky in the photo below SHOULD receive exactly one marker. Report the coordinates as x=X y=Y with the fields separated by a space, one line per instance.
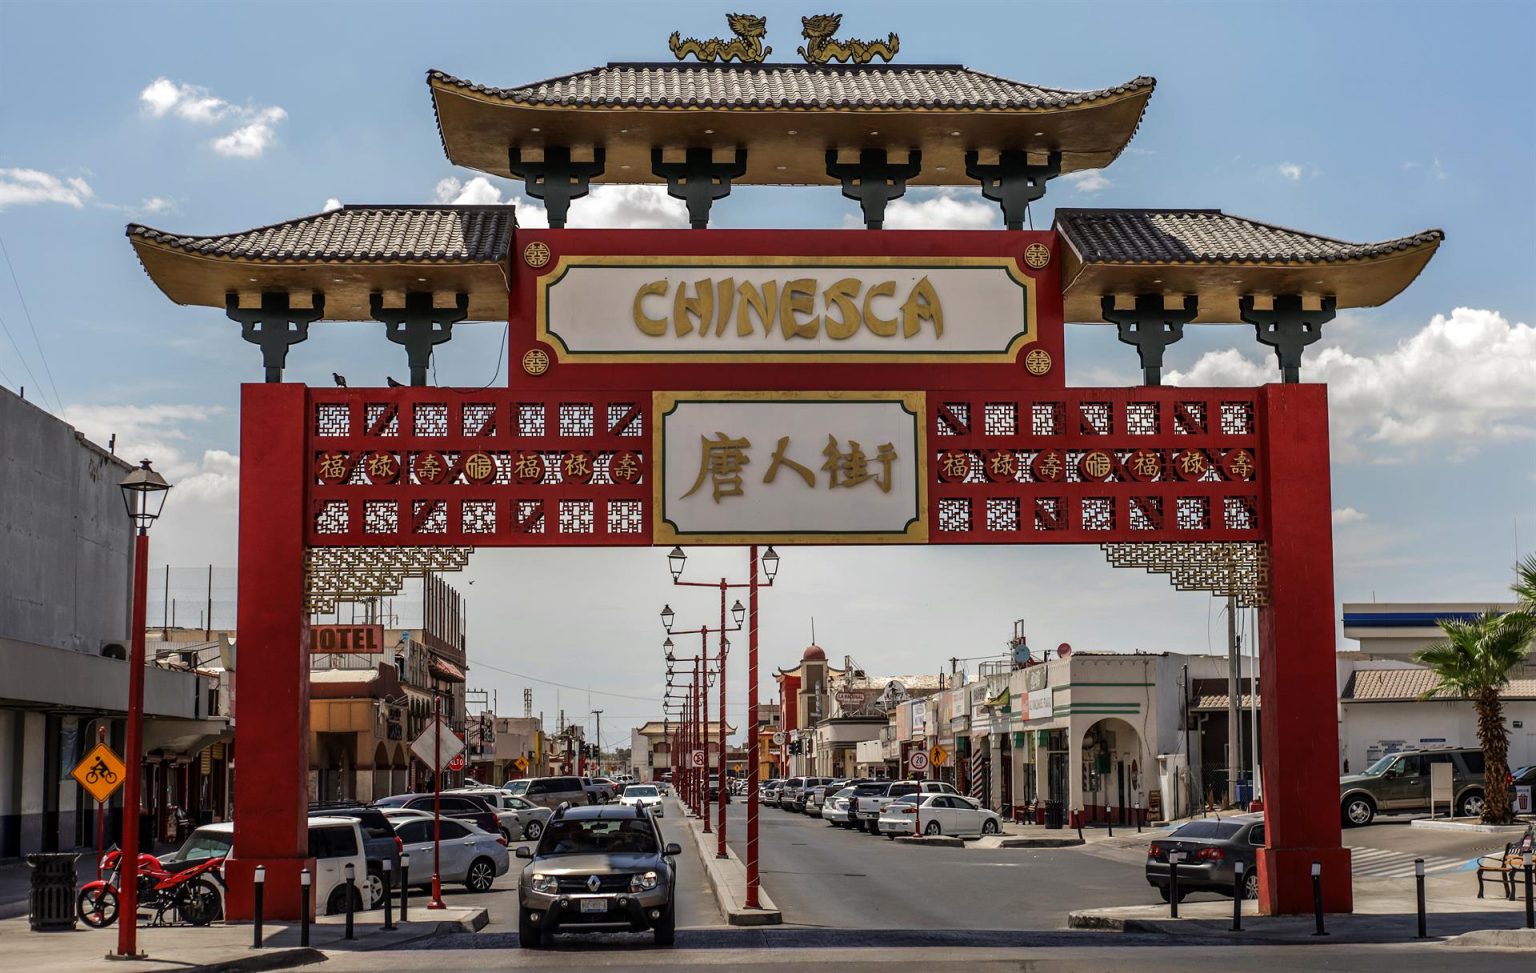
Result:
x=1360 y=120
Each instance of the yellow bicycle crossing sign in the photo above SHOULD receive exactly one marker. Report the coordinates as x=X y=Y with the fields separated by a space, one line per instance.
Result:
x=100 y=773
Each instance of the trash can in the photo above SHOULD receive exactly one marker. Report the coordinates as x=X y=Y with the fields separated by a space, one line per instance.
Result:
x=1055 y=819
x=1244 y=793
x=51 y=899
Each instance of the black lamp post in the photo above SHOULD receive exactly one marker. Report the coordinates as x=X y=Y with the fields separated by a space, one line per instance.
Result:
x=144 y=493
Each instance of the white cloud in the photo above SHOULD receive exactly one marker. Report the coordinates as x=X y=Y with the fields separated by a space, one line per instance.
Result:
x=1087 y=181
x=331 y=205
x=1464 y=380
x=1289 y=170
x=156 y=204
x=606 y=207
x=1436 y=168
x=942 y=210
x=479 y=191
x=256 y=128
x=22 y=186
x=1347 y=515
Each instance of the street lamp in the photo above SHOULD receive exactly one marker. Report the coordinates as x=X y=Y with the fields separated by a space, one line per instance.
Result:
x=667 y=614
x=770 y=564
x=675 y=561
x=144 y=493
x=738 y=612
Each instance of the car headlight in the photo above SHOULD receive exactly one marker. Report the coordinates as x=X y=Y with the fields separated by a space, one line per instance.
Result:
x=643 y=882
x=545 y=883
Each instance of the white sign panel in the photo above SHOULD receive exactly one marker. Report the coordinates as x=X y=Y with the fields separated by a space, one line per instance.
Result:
x=1040 y=706
x=443 y=738
x=675 y=308
x=738 y=467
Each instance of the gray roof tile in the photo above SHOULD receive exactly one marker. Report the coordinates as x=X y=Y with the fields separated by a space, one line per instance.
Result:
x=791 y=86
x=1164 y=236
x=369 y=234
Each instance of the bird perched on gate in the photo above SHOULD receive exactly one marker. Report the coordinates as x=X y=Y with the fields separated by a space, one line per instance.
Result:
x=341 y=380
x=392 y=383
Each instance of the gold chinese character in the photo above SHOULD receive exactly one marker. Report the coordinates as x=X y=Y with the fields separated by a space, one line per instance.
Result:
x=577 y=465
x=428 y=467
x=853 y=466
x=1003 y=466
x=333 y=466
x=381 y=466
x=479 y=466
x=779 y=459
x=528 y=467
x=1241 y=464
x=1145 y=464
x=721 y=461
x=955 y=466
x=623 y=468
x=1049 y=465
x=1192 y=463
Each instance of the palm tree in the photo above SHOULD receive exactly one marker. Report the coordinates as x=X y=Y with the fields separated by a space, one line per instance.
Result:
x=1525 y=584
x=1474 y=663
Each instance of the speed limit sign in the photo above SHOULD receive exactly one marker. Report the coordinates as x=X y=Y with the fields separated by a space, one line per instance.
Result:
x=779 y=738
x=918 y=761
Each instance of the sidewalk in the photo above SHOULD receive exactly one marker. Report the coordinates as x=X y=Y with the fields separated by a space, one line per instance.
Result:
x=728 y=877
x=221 y=947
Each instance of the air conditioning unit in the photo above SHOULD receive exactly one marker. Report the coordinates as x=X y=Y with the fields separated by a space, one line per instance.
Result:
x=114 y=649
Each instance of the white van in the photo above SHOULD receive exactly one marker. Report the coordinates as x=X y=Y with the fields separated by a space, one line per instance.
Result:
x=333 y=842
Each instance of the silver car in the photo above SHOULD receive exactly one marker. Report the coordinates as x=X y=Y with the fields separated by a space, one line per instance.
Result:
x=468 y=854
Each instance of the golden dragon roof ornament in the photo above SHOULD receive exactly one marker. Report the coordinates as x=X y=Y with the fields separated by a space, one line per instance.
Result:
x=822 y=48
x=746 y=46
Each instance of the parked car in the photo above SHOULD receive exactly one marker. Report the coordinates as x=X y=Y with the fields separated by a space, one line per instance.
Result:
x=551 y=792
x=1209 y=849
x=869 y=799
x=463 y=806
x=597 y=869
x=334 y=843
x=643 y=795
x=714 y=789
x=600 y=790
x=395 y=815
x=816 y=797
x=771 y=791
x=380 y=843
x=938 y=814
x=509 y=820
x=467 y=854
x=516 y=787
x=836 y=810
x=789 y=791
x=1399 y=782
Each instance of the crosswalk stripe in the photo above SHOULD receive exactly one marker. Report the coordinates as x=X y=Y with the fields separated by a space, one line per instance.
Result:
x=1381 y=863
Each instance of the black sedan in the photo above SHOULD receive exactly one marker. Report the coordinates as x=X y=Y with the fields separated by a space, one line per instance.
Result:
x=1207 y=853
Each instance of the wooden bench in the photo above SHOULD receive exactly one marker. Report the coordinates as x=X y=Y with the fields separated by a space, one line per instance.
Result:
x=1505 y=865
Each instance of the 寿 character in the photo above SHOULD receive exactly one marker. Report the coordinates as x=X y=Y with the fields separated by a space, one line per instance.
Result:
x=721 y=460
x=779 y=459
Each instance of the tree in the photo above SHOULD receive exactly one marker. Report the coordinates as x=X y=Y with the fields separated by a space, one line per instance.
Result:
x=1525 y=584
x=1474 y=662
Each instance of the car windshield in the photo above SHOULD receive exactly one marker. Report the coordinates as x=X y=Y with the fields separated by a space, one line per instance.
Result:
x=845 y=792
x=591 y=836
x=1208 y=829
x=1380 y=767
x=515 y=787
x=203 y=844
x=635 y=790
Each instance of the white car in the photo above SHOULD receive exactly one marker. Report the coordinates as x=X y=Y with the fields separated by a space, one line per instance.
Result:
x=939 y=814
x=334 y=843
x=837 y=810
x=467 y=853
x=644 y=795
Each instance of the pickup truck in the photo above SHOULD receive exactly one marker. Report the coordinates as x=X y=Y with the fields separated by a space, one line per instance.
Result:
x=870 y=799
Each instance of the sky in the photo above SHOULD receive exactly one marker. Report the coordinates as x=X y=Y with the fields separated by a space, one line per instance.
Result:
x=1364 y=121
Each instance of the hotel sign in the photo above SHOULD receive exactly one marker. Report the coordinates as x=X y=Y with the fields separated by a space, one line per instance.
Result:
x=721 y=308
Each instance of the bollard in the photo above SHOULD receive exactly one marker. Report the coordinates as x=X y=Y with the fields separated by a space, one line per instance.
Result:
x=1317 y=896
x=1530 y=902
x=1173 y=883
x=1137 y=812
x=351 y=873
x=1078 y=814
x=405 y=886
x=389 y=912
x=261 y=884
x=1238 y=890
x=305 y=878
x=1418 y=878
x=1109 y=821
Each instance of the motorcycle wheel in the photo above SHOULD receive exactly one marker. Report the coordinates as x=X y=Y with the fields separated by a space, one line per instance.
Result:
x=97 y=907
x=197 y=903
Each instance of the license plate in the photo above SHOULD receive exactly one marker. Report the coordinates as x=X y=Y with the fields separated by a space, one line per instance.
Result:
x=594 y=905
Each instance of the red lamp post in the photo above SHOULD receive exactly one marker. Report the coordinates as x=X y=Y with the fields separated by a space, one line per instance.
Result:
x=704 y=680
x=144 y=493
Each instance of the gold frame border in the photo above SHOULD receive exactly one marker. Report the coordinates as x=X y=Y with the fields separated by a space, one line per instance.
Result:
x=563 y=264
x=664 y=403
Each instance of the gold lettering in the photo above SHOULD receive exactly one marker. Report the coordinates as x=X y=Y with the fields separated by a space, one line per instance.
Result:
x=884 y=327
x=842 y=293
x=799 y=298
x=922 y=305
x=765 y=303
x=655 y=327
x=701 y=305
x=725 y=299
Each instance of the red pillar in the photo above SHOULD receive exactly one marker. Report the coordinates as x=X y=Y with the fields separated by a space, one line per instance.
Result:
x=272 y=700
x=1297 y=675
x=752 y=738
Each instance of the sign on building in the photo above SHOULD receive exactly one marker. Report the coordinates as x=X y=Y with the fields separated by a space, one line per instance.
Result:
x=350 y=639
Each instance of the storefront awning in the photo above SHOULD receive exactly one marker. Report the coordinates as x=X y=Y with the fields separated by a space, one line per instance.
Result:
x=443 y=669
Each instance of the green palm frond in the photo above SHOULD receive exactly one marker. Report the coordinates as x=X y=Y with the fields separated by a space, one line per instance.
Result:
x=1525 y=584
x=1478 y=655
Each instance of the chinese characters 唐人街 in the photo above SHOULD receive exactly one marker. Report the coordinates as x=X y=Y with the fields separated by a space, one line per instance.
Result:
x=722 y=459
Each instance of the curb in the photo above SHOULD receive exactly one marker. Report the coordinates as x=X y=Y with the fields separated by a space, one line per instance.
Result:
x=1041 y=843
x=1444 y=824
x=277 y=959
x=932 y=841
x=1496 y=939
x=767 y=914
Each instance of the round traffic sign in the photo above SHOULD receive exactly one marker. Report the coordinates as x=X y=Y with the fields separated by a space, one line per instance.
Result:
x=696 y=758
x=918 y=760
x=779 y=738
x=457 y=763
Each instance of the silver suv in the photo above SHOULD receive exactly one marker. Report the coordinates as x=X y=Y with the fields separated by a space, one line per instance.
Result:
x=597 y=869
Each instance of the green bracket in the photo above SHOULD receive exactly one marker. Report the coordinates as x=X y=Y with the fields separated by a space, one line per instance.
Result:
x=1288 y=329
x=699 y=180
x=419 y=326
x=874 y=181
x=556 y=179
x=1150 y=328
x=275 y=326
x=1012 y=181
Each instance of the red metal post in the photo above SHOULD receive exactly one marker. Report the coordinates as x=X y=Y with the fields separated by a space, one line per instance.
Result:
x=1296 y=660
x=752 y=734
x=272 y=707
x=437 y=804
x=101 y=812
x=133 y=756
x=704 y=725
x=720 y=844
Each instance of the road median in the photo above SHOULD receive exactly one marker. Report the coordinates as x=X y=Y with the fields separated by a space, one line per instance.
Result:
x=728 y=877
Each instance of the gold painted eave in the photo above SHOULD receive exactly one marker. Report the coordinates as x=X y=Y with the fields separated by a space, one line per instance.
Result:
x=1361 y=282
x=189 y=278
x=478 y=128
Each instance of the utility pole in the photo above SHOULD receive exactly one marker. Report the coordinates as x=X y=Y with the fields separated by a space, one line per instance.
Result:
x=1234 y=720
x=599 y=714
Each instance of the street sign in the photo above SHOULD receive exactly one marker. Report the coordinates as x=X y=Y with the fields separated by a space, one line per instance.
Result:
x=456 y=764
x=850 y=700
x=938 y=756
x=918 y=761
x=100 y=773
x=450 y=745
x=696 y=758
x=779 y=738
x=521 y=763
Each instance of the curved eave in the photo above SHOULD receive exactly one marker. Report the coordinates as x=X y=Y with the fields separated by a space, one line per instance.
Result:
x=477 y=127
x=200 y=279
x=1356 y=282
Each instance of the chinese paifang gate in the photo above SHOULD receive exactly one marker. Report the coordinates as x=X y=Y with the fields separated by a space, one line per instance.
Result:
x=714 y=386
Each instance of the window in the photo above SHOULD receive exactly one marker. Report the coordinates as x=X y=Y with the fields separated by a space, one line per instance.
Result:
x=453 y=830
x=568 y=836
x=1256 y=836
x=202 y=845
x=1473 y=761
x=413 y=832
x=332 y=842
x=539 y=787
x=1411 y=765
x=1207 y=829
x=458 y=805
x=566 y=784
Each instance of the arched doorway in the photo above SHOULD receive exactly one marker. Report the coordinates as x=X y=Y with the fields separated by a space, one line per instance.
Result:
x=381 y=772
x=399 y=771
x=1113 y=768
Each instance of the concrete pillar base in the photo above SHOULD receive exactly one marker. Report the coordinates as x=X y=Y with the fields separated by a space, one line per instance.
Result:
x=1285 y=880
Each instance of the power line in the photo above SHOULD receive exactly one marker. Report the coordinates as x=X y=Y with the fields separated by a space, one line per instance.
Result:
x=19 y=357
x=58 y=403
x=561 y=685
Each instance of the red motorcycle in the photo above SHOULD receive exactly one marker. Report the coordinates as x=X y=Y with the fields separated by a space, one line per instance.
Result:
x=190 y=895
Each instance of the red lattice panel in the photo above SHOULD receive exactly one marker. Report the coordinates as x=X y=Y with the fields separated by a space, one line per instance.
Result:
x=493 y=468
x=1094 y=466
